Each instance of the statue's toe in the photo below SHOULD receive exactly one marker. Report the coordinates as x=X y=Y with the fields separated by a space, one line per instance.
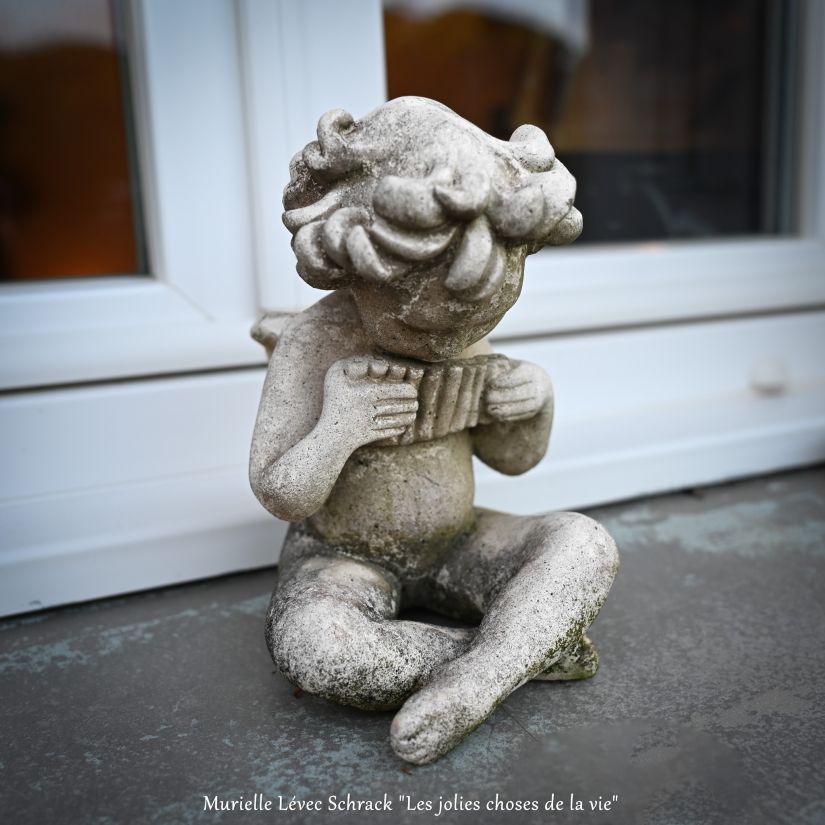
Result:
x=580 y=662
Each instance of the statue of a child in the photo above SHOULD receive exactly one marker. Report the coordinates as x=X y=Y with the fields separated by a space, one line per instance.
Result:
x=376 y=400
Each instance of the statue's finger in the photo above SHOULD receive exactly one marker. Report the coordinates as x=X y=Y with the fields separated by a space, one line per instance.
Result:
x=396 y=372
x=513 y=378
x=518 y=403
x=401 y=391
x=391 y=432
x=356 y=368
x=508 y=396
x=383 y=422
x=394 y=407
x=510 y=410
x=378 y=369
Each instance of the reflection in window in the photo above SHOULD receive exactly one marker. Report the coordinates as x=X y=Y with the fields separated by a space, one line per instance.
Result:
x=670 y=115
x=67 y=192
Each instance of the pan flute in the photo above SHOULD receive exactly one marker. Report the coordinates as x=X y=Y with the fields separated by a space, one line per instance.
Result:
x=450 y=395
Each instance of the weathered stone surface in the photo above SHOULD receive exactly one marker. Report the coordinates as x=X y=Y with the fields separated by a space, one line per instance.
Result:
x=375 y=402
x=133 y=709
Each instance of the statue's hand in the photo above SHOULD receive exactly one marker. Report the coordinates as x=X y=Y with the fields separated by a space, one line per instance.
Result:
x=364 y=401
x=519 y=393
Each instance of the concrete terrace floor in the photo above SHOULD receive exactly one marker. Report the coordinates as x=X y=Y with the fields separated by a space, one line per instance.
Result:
x=708 y=707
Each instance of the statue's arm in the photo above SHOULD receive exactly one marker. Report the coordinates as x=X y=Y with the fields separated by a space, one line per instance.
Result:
x=294 y=461
x=520 y=402
x=316 y=409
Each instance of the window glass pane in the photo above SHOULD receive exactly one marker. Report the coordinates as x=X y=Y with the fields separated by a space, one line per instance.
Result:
x=68 y=204
x=671 y=115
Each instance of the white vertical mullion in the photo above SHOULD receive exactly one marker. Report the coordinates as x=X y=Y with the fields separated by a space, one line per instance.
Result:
x=269 y=133
x=191 y=134
x=299 y=61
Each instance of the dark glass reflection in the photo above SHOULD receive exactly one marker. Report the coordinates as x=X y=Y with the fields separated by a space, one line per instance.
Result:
x=668 y=114
x=68 y=204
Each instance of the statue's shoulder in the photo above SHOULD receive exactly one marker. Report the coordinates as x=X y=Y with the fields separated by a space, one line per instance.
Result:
x=334 y=319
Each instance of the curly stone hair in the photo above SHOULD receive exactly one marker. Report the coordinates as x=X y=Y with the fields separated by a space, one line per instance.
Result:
x=412 y=181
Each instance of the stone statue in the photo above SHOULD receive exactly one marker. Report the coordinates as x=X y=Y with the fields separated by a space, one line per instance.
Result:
x=377 y=398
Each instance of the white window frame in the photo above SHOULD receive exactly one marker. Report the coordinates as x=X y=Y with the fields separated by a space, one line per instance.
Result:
x=194 y=312
x=566 y=290
x=213 y=166
x=212 y=176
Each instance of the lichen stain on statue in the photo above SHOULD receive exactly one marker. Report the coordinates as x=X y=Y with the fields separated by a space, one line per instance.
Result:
x=377 y=398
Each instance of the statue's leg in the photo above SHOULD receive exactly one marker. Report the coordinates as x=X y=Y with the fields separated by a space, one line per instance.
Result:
x=331 y=629
x=539 y=582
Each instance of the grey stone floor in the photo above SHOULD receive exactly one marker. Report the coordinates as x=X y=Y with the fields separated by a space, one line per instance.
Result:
x=708 y=707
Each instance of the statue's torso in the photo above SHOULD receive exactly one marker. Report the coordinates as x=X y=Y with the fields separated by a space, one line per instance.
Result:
x=401 y=505
x=402 y=502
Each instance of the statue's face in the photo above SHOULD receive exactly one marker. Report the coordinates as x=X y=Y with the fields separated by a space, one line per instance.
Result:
x=418 y=317
x=426 y=220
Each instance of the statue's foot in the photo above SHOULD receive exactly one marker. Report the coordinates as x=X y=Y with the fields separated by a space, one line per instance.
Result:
x=580 y=662
x=457 y=700
x=462 y=694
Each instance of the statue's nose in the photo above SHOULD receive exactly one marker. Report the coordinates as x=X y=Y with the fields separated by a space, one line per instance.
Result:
x=567 y=229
